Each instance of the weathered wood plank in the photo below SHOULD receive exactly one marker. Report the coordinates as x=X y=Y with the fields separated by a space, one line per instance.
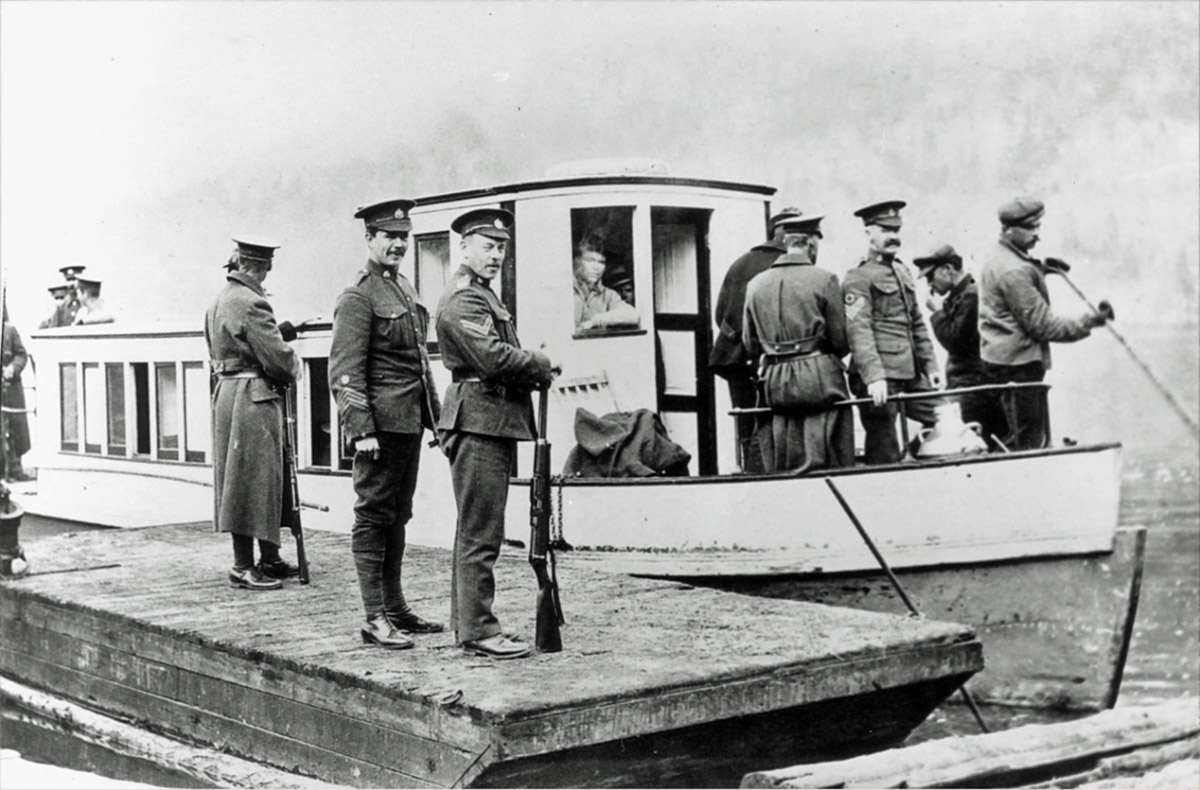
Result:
x=1136 y=763
x=997 y=759
x=205 y=765
x=160 y=714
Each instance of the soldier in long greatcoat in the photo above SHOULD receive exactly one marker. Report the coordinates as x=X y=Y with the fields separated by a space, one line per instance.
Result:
x=794 y=323
x=486 y=411
x=14 y=426
x=251 y=362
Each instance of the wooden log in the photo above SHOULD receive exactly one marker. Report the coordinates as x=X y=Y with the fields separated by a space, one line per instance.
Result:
x=976 y=760
x=206 y=765
x=1136 y=763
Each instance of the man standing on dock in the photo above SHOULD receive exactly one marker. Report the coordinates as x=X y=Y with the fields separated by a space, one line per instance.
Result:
x=488 y=410
x=250 y=363
x=954 y=315
x=379 y=374
x=728 y=358
x=891 y=352
x=1016 y=325
x=794 y=320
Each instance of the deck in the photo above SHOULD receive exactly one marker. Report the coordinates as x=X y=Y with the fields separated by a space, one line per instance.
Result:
x=659 y=684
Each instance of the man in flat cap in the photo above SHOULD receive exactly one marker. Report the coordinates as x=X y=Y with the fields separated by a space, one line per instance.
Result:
x=794 y=321
x=1016 y=325
x=251 y=364
x=14 y=426
x=58 y=292
x=379 y=375
x=92 y=309
x=954 y=316
x=487 y=410
x=728 y=358
x=891 y=351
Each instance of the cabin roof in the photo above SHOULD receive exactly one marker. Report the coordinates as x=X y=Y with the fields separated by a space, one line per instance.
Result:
x=594 y=180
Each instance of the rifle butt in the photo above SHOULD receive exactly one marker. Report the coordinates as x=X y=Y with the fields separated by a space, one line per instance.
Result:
x=547 y=635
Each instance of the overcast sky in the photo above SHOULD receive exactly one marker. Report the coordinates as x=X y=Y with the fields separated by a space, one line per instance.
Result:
x=138 y=137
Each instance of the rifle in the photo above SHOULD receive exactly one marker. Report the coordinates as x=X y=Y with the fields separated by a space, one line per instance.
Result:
x=291 y=501
x=547 y=636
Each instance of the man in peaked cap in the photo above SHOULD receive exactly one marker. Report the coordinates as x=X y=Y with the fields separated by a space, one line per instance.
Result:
x=488 y=410
x=250 y=363
x=92 y=309
x=954 y=316
x=58 y=292
x=1016 y=325
x=728 y=358
x=67 y=310
x=379 y=374
x=891 y=352
x=794 y=320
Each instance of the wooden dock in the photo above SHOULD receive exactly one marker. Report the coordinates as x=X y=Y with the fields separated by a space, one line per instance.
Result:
x=659 y=684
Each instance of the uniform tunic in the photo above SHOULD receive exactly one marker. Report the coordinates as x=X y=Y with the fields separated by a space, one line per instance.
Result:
x=888 y=342
x=793 y=315
x=956 y=326
x=1016 y=327
x=486 y=411
x=249 y=359
x=729 y=359
x=378 y=373
x=14 y=426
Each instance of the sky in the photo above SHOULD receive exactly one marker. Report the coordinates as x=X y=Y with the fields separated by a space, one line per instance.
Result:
x=137 y=138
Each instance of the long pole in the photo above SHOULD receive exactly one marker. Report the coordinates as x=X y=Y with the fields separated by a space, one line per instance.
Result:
x=1158 y=384
x=966 y=695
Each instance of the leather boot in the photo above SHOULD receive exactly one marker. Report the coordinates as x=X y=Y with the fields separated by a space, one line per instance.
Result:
x=278 y=568
x=378 y=631
x=252 y=579
x=404 y=619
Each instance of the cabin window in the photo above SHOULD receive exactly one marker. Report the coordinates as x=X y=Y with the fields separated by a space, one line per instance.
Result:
x=432 y=272
x=319 y=412
x=68 y=387
x=196 y=408
x=114 y=380
x=141 y=400
x=602 y=271
x=166 y=389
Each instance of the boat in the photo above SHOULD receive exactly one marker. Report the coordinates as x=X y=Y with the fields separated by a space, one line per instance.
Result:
x=974 y=536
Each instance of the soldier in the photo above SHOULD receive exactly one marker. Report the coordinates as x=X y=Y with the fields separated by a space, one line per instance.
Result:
x=71 y=304
x=794 y=319
x=1016 y=325
x=58 y=292
x=487 y=411
x=728 y=358
x=250 y=362
x=379 y=374
x=92 y=309
x=14 y=427
x=891 y=352
x=954 y=314
x=598 y=307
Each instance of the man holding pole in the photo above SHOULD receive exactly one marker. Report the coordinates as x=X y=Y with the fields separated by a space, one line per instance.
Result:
x=251 y=362
x=379 y=374
x=1016 y=325
x=488 y=410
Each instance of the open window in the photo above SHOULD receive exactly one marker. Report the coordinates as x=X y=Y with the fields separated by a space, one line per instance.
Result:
x=602 y=269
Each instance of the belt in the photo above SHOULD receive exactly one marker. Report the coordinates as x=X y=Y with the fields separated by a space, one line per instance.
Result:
x=456 y=377
x=242 y=374
x=773 y=359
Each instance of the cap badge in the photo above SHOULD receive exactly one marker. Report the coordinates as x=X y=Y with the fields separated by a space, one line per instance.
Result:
x=498 y=223
x=399 y=214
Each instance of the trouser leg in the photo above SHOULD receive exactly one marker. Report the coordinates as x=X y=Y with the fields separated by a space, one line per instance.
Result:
x=243 y=551
x=479 y=470
x=743 y=394
x=1025 y=410
x=408 y=447
x=384 y=486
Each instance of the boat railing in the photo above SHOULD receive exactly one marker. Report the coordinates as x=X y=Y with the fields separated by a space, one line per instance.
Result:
x=926 y=395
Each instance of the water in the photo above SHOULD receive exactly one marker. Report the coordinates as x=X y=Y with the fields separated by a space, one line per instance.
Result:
x=1099 y=394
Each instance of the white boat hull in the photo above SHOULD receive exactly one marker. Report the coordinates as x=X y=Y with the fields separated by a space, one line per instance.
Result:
x=950 y=512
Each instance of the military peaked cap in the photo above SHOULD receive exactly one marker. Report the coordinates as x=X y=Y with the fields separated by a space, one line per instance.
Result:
x=387 y=214
x=784 y=213
x=253 y=248
x=798 y=224
x=88 y=281
x=59 y=289
x=71 y=270
x=885 y=214
x=1021 y=211
x=494 y=223
x=943 y=253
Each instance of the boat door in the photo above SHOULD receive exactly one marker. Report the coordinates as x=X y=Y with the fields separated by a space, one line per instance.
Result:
x=683 y=332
